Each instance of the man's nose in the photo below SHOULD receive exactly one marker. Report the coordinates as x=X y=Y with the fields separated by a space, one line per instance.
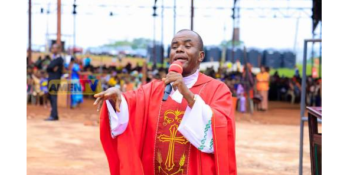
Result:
x=180 y=49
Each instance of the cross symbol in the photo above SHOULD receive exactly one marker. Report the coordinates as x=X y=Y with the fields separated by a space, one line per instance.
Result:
x=172 y=139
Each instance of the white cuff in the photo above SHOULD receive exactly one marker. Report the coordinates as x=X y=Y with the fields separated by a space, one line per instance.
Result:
x=196 y=126
x=118 y=120
x=176 y=96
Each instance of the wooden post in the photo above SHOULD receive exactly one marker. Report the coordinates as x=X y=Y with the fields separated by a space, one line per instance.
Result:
x=58 y=40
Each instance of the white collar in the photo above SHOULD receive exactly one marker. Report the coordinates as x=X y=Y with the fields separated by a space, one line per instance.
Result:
x=191 y=79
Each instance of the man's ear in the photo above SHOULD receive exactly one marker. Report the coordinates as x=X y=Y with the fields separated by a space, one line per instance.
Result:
x=201 y=56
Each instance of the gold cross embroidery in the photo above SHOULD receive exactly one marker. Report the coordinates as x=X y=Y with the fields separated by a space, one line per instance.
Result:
x=172 y=139
x=169 y=120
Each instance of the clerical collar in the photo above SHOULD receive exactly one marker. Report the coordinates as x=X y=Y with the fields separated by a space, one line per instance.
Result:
x=191 y=79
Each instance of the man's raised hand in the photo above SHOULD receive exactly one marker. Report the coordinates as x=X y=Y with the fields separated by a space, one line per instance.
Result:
x=110 y=94
x=55 y=68
x=178 y=84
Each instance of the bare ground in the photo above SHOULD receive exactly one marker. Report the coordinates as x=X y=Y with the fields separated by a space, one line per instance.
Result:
x=267 y=142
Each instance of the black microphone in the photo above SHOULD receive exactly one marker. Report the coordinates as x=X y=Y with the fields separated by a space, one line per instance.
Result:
x=176 y=66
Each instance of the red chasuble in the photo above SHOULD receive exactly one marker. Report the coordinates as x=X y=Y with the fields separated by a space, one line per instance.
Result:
x=151 y=143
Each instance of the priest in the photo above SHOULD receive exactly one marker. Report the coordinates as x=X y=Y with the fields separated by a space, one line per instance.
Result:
x=192 y=132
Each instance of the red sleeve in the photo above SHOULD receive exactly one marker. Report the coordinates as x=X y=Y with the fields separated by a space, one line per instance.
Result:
x=108 y=143
x=124 y=151
x=138 y=104
x=223 y=124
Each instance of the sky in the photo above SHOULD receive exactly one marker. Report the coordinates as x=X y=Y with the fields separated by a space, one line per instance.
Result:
x=212 y=20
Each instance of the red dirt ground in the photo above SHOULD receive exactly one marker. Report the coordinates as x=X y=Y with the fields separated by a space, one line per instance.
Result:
x=266 y=142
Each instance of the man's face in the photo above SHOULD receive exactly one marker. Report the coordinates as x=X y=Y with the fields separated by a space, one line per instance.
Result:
x=262 y=69
x=55 y=49
x=185 y=47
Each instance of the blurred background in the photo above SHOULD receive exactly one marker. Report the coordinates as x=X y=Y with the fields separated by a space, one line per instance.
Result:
x=126 y=43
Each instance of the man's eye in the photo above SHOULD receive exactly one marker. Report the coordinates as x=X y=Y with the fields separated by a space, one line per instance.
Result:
x=174 y=47
x=187 y=46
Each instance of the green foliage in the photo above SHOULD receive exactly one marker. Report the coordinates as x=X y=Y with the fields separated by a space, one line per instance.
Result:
x=228 y=43
x=290 y=72
x=140 y=43
x=137 y=43
x=119 y=43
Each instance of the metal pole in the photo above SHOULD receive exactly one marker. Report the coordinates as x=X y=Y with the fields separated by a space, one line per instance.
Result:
x=223 y=57
x=312 y=52
x=296 y=35
x=154 y=34
x=30 y=32
x=154 y=41
x=74 y=29
x=192 y=14
x=238 y=14
x=320 y=62
x=58 y=41
x=47 y=29
x=302 y=110
x=233 y=32
x=162 y=34
x=174 y=17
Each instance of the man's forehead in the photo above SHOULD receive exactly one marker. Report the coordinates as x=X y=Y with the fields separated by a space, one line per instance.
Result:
x=55 y=45
x=185 y=36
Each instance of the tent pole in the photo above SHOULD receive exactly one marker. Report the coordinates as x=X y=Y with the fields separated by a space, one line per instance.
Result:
x=302 y=109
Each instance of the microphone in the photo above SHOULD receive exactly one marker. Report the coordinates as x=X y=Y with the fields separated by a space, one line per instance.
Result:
x=176 y=66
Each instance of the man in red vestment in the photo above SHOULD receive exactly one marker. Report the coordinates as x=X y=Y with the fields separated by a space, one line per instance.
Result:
x=192 y=132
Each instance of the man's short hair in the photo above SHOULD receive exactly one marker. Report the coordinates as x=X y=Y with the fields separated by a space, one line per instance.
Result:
x=201 y=47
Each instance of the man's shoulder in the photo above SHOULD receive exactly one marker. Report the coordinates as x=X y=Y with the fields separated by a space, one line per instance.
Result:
x=60 y=58
x=154 y=84
x=214 y=83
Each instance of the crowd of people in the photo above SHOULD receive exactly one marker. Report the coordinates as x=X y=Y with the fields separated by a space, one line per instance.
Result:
x=251 y=90
x=289 y=89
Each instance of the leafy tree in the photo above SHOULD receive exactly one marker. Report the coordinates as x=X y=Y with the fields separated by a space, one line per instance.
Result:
x=228 y=43
x=140 y=43
x=137 y=43
x=119 y=43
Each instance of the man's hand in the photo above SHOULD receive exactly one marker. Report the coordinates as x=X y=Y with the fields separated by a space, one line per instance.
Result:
x=179 y=84
x=110 y=94
x=55 y=68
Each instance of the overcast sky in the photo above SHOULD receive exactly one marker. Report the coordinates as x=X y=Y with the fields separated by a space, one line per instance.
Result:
x=94 y=25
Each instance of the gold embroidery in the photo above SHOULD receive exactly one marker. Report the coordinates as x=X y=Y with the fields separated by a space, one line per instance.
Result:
x=176 y=113
x=172 y=139
x=159 y=159
x=182 y=160
x=169 y=163
x=167 y=120
x=181 y=163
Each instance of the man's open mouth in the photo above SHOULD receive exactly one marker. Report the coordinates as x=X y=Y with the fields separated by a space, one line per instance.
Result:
x=181 y=59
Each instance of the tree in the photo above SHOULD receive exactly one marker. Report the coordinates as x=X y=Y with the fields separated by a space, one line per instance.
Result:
x=119 y=43
x=137 y=43
x=140 y=43
x=228 y=43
